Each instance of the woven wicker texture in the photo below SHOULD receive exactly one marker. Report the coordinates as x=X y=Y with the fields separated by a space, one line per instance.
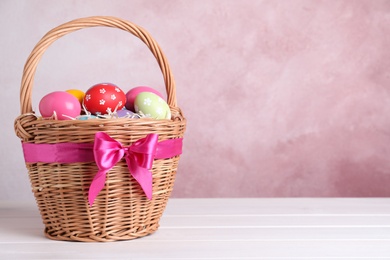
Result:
x=121 y=211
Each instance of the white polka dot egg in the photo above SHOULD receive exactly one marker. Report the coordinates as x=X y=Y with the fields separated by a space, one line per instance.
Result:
x=104 y=98
x=152 y=105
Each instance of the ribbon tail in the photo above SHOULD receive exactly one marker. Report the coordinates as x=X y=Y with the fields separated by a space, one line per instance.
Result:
x=145 y=179
x=96 y=186
x=143 y=176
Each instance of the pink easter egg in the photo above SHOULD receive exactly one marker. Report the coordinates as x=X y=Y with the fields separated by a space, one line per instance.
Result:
x=64 y=104
x=133 y=93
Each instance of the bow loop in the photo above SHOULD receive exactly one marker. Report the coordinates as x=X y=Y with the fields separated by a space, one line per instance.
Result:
x=107 y=151
x=144 y=150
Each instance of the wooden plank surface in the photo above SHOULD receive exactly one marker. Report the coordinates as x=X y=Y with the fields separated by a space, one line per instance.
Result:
x=223 y=229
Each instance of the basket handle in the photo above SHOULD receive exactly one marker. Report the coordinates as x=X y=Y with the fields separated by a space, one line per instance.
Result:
x=105 y=21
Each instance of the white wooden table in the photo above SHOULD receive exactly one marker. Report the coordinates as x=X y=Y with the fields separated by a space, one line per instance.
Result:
x=299 y=228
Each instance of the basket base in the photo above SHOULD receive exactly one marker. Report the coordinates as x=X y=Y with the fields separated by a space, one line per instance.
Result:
x=119 y=236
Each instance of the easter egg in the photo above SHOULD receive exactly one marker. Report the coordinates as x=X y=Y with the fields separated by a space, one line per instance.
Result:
x=152 y=105
x=133 y=93
x=125 y=113
x=77 y=94
x=65 y=105
x=86 y=117
x=104 y=98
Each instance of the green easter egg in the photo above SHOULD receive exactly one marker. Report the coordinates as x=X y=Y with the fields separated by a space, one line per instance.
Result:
x=152 y=105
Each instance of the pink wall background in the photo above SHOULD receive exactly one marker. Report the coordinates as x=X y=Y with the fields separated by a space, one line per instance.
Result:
x=283 y=98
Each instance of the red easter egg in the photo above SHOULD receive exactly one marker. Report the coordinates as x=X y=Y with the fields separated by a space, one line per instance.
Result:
x=104 y=98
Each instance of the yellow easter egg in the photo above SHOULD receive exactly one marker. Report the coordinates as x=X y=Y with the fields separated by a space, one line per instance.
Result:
x=77 y=93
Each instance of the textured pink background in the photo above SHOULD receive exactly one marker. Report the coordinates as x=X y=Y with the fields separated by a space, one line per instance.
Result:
x=283 y=98
x=300 y=100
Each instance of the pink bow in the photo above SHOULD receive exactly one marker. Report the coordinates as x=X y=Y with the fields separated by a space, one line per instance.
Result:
x=139 y=158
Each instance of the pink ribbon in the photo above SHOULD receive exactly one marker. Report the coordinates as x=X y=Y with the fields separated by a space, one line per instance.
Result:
x=58 y=153
x=107 y=152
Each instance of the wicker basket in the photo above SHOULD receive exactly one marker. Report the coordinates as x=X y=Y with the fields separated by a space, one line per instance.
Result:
x=121 y=211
